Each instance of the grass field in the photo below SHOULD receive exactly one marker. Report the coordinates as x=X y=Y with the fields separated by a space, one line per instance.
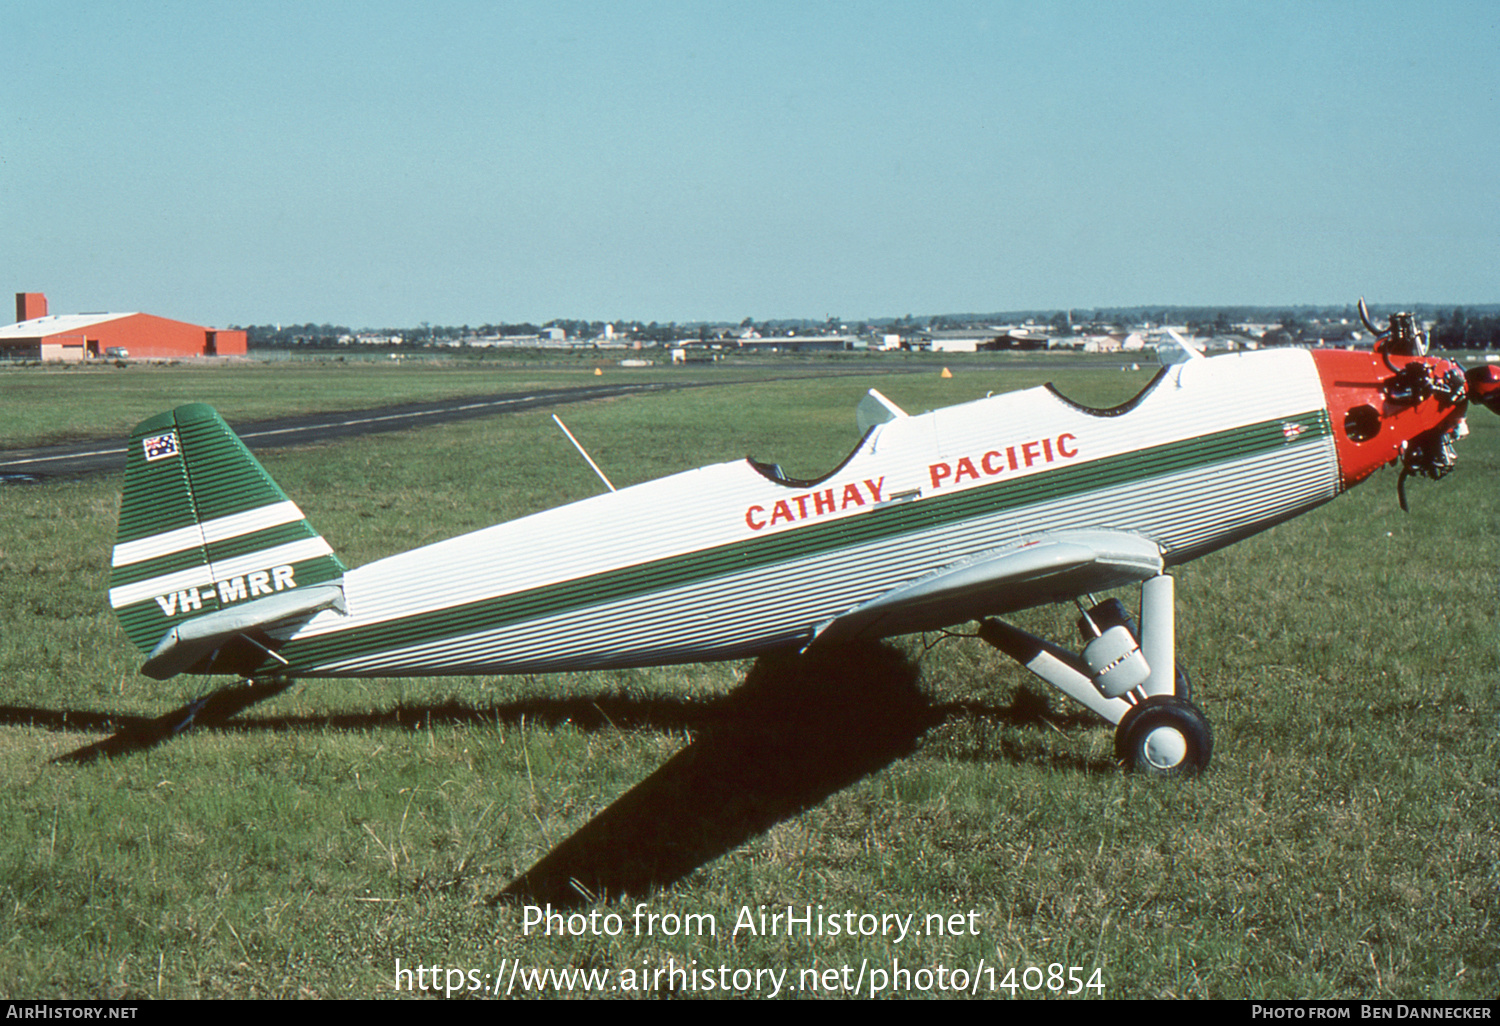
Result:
x=1344 y=843
x=64 y=402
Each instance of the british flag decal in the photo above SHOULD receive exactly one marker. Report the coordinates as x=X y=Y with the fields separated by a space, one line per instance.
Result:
x=1290 y=430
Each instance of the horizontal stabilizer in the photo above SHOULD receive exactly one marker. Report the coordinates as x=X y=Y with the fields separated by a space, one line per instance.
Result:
x=193 y=640
x=1046 y=568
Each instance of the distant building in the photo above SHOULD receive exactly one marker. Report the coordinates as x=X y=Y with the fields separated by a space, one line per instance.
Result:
x=956 y=341
x=797 y=343
x=74 y=338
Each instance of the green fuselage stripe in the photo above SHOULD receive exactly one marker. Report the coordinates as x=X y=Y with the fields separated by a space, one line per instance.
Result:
x=890 y=521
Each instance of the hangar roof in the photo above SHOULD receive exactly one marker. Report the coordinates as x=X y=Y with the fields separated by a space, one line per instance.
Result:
x=57 y=324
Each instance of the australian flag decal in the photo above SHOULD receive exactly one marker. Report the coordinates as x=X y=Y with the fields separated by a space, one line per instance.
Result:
x=159 y=447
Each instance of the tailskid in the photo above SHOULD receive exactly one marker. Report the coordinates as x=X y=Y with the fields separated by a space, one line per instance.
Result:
x=211 y=710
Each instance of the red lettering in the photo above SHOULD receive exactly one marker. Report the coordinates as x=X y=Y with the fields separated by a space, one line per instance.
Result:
x=1028 y=452
x=1010 y=455
x=1047 y=449
x=965 y=466
x=939 y=471
x=1064 y=452
x=985 y=463
x=830 y=500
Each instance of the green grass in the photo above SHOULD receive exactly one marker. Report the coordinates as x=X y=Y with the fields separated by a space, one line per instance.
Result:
x=1344 y=843
x=62 y=402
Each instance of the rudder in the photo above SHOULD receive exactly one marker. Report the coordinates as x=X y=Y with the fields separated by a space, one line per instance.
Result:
x=203 y=528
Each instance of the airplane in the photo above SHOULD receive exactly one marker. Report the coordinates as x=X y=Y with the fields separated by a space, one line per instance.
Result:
x=966 y=513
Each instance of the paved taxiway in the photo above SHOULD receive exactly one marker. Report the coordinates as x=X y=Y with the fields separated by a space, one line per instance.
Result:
x=18 y=465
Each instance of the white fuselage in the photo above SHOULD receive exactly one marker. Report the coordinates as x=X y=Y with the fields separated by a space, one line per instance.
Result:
x=726 y=561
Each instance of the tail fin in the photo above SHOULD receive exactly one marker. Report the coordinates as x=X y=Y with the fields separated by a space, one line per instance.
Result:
x=205 y=535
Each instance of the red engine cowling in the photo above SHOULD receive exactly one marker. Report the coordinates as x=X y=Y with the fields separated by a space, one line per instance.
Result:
x=1388 y=408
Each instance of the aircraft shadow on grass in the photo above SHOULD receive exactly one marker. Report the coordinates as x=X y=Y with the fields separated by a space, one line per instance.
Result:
x=797 y=730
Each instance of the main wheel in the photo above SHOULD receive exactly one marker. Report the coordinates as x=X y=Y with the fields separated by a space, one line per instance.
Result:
x=1165 y=736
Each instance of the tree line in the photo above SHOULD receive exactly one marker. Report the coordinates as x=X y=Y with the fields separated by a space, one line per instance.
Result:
x=1473 y=328
x=1459 y=330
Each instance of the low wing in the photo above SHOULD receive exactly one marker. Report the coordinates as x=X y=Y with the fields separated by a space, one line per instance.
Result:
x=1031 y=572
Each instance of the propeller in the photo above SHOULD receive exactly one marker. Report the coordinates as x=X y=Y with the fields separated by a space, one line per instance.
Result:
x=1483 y=384
x=1429 y=454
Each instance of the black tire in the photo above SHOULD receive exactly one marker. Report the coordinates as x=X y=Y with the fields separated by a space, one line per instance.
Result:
x=1184 y=685
x=1165 y=736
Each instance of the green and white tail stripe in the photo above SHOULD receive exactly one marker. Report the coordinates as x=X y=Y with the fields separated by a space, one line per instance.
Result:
x=204 y=528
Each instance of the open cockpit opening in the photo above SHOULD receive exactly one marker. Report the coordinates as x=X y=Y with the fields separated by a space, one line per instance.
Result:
x=1111 y=411
x=773 y=471
x=873 y=410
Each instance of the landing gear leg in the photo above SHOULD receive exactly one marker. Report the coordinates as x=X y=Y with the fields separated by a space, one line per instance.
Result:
x=1158 y=731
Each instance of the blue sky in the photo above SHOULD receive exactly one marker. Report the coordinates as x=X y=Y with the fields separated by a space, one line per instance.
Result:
x=383 y=164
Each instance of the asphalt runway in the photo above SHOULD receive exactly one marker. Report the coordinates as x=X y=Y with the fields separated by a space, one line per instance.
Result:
x=75 y=458
x=18 y=466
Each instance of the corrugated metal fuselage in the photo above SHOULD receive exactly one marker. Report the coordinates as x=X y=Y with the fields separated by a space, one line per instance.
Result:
x=727 y=561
